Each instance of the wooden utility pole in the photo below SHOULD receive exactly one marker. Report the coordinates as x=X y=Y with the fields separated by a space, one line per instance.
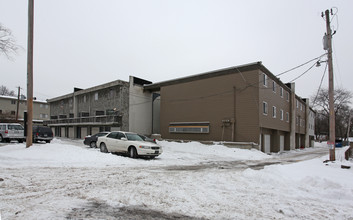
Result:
x=30 y=73
x=330 y=88
x=18 y=103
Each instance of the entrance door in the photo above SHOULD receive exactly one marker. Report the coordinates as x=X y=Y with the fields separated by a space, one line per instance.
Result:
x=267 y=143
x=281 y=143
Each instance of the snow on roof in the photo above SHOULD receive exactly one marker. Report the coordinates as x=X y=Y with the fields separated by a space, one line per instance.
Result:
x=15 y=98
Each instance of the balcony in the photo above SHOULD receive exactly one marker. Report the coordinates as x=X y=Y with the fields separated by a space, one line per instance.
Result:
x=102 y=120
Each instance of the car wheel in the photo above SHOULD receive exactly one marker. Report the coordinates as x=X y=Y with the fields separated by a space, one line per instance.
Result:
x=103 y=148
x=132 y=152
x=1 y=139
x=48 y=142
x=93 y=144
x=20 y=141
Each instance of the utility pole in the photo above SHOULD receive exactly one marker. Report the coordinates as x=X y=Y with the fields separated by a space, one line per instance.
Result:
x=332 y=137
x=30 y=73
x=18 y=103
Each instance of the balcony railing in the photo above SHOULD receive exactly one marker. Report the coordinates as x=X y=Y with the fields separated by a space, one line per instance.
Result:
x=92 y=120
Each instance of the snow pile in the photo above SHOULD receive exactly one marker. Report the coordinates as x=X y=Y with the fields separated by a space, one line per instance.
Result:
x=63 y=154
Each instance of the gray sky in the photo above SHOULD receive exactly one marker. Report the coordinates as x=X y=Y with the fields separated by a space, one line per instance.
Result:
x=83 y=43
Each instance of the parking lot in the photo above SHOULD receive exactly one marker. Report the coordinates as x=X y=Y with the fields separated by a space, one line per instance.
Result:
x=67 y=180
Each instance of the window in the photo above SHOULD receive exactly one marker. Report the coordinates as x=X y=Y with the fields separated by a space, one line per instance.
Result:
x=0 y=111
x=301 y=107
x=13 y=102
x=120 y=135
x=84 y=114
x=287 y=96
x=96 y=96
x=264 y=108
x=13 y=112
x=84 y=99
x=281 y=92
x=287 y=116
x=111 y=93
x=99 y=113
x=274 y=112
x=113 y=135
x=189 y=127
x=274 y=86
x=297 y=103
x=43 y=116
x=281 y=112
x=297 y=120
x=264 y=79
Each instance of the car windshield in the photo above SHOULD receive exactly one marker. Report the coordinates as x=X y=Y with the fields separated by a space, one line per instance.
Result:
x=133 y=137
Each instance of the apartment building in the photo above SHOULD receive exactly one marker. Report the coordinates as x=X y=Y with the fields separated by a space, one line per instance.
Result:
x=239 y=104
x=8 y=109
x=117 y=105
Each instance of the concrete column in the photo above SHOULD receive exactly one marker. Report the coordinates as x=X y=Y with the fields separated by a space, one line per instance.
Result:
x=74 y=100
x=307 y=112
x=293 y=115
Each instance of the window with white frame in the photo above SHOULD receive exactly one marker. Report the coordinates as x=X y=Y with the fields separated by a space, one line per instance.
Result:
x=189 y=127
x=264 y=79
x=274 y=86
x=281 y=92
x=96 y=96
x=297 y=103
x=287 y=96
x=274 y=112
x=264 y=108
x=281 y=111
x=43 y=116
x=287 y=116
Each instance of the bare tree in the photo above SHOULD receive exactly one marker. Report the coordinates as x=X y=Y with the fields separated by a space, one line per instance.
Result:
x=342 y=109
x=5 y=91
x=8 y=44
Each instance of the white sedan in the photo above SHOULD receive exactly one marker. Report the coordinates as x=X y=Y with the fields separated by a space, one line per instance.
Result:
x=128 y=142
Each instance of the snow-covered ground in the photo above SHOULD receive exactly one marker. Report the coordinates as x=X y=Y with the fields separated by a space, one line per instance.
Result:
x=67 y=180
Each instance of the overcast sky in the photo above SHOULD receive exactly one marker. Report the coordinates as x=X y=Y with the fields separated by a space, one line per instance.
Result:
x=84 y=43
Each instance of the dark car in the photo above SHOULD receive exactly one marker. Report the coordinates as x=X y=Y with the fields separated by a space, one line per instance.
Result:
x=42 y=133
x=338 y=143
x=92 y=140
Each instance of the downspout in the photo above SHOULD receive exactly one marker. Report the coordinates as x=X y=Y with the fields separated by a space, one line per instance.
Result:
x=234 y=114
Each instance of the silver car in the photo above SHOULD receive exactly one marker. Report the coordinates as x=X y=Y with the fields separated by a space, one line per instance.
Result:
x=11 y=131
x=128 y=143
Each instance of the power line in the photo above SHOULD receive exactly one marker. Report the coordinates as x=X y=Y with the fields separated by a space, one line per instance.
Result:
x=322 y=79
x=303 y=73
x=316 y=58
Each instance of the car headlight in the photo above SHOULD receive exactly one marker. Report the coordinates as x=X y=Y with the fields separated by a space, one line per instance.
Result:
x=145 y=147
